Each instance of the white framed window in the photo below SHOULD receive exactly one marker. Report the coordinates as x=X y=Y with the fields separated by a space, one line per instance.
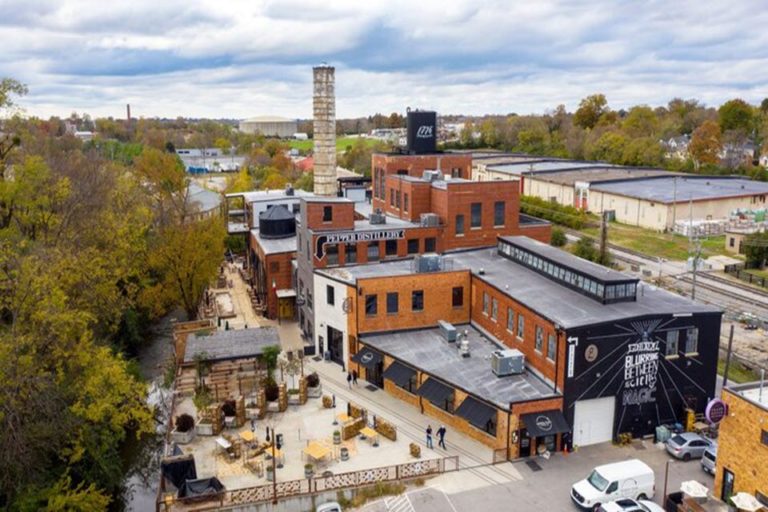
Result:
x=520 y=326
x=486 y=302
x=552 y=347
x=673 y=338
x=539 y=344
x=691 y=340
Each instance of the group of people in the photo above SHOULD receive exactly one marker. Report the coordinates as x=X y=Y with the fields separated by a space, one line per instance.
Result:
x=352 y=378
x=440 y=436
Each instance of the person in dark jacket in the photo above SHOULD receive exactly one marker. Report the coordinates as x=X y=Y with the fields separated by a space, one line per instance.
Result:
x=354 y=377
x=349 y=380
x=441 y=436
x=429 y=437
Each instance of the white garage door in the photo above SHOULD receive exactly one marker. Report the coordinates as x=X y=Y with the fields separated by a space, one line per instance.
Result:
x=593 y=421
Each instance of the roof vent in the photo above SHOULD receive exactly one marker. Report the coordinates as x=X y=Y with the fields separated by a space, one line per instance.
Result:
x=289 y=190
x=463 y=347
x=481 y=272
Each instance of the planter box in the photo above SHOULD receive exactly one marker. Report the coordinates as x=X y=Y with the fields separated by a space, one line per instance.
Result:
x=252 y=414
x=183 y=437
x=273 y=407
x=315 y=392
x=204 y=429
x=294 y=400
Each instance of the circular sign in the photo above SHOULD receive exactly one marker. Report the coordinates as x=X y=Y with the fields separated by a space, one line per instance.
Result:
x=716 y=410
x=590 y=354
x=544 y=423
x=366 y=358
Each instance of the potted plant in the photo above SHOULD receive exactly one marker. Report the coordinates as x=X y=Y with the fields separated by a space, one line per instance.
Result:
x=314 y=389
x=415 y=450
x=336 y=437
x=327 y=402
x=344 y=453
x=308 y=470
x=184 y=432
x=270 y=474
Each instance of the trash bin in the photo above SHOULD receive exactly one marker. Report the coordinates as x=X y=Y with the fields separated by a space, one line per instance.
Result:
x=327 y=355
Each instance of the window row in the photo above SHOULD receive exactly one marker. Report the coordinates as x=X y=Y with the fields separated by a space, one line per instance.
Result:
x=373 y=250
x=491 y=309
x=476 y=216
x=417 y=301
x=394 y=199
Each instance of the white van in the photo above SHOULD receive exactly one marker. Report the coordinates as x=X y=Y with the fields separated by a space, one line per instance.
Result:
x=627 y=479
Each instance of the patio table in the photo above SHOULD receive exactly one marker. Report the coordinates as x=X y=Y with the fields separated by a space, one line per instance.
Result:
x=371 y=434
x=316 y=451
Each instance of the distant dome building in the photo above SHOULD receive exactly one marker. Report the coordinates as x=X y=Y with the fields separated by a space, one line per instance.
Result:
x=270 y=126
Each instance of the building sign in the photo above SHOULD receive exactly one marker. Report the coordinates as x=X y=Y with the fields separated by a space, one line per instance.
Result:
x=573 y=342
x=590 y=354
x=353 y=237
x=641 y=368
x=543 y=423
x=716 y=410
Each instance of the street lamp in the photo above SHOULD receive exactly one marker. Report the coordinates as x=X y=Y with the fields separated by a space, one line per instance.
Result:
x=666 y=479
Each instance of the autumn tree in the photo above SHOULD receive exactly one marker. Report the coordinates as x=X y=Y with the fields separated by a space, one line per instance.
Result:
x=590 y=110
x=737 y=115
x=641 y=121
x=8 y=89
x=706 y=144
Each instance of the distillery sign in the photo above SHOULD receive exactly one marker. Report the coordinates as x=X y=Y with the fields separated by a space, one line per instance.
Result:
x=353 y=237
x=641 y=368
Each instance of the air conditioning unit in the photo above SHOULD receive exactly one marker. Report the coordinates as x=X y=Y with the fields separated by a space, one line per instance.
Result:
x=431 y=175
x=377 y=217
x=430 y=220
x=507 y=362
x=447 y=330
x=429 y=262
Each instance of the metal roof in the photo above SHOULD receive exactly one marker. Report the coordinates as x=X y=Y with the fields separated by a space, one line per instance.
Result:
x=274 y=245
x=229 y=345
x=682 y=190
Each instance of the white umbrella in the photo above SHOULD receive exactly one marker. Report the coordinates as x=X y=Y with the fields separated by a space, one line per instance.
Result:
x=694 y=489
x=745 y=501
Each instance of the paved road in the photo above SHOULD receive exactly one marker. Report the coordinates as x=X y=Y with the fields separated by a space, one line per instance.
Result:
x=543 y=490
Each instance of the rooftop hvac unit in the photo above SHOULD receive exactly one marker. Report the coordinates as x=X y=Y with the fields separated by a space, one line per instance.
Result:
x=507 y=362
x=377 y=217
x=431 y=175
x=427 y=263
x=430 y=220
x=463 y=346
x=447 y=330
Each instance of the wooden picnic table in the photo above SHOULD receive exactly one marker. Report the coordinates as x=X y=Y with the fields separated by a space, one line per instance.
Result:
x=371 y=434
x=316 y=451
x=247 y=436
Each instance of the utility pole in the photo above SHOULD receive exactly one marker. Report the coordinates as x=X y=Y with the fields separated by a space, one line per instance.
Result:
x=674 y=202
x=603 y=237
x=695 y=247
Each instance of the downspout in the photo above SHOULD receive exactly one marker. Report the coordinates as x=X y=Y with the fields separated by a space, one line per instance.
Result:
x=509 y=427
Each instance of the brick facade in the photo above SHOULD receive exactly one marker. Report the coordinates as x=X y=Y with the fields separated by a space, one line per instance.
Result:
x=740 y=449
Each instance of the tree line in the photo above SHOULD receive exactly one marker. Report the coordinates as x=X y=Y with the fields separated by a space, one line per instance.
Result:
x=637 y=136
x=92 y=249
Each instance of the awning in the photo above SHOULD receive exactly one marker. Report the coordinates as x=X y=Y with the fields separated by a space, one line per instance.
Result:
x=399 y=373
x=476 y=413
x=435 y=392
x=285 y=293
x=367 y=357
x=545 y=423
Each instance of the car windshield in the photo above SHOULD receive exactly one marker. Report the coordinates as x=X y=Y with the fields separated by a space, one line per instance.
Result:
x=678 y=440
x=709 y=455
x=597 y=481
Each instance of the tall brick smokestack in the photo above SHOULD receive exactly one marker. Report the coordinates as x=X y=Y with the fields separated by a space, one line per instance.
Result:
x=324 y=107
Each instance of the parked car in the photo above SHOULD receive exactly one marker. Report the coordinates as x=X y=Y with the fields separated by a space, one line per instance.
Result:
x=627 y=479
x=628 y=505
x=709 y=459
x=687 y=446
x=331 y=506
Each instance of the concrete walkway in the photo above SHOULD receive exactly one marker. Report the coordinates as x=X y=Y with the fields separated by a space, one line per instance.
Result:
x=474 y=458
x=242 y=302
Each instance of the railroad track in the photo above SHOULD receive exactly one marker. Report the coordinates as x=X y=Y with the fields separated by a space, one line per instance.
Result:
x=735 y=284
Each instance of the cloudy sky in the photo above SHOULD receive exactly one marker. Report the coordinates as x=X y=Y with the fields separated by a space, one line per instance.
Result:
x=241 y=58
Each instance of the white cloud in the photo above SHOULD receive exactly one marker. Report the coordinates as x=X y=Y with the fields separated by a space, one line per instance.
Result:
x=242 y=58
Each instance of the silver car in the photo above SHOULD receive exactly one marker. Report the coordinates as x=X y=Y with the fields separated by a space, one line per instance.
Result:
x=687 y=446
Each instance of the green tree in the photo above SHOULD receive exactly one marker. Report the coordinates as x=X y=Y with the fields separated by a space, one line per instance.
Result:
x=589 y=111
x=736 y=115
x=756 y=249
x=8 y=89
x=706 y=144
x=640 y=122
x=609 y=148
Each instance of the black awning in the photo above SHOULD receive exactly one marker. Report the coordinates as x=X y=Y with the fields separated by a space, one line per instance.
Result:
x=399 y=373
x=367 y=357
x=435 y=392
x=476 y=413
x=545 y=423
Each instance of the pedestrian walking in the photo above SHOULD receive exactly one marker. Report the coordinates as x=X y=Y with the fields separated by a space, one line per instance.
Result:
x=354 y=377
x=253 y=425
x=441 y=436
x=349 y=380
x=429 y=437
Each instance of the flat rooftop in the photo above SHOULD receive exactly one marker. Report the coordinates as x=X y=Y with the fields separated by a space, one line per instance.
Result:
x=751 y=391
x=597 y=174
x=427 y=350
x=518 y=169
x=269 y=195
x=230 y=345
x=554 y=301
x=682 y=190
x=274 y=245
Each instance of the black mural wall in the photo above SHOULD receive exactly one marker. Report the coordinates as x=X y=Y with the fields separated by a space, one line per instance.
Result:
x=628 y=359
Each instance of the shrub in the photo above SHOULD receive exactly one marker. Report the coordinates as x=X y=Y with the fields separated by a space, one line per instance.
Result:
x=229 y=408
x=271 y=390
x=554 y=212
x=558 y=238
x=184 y=423
x=313 y=380
x=327 y=402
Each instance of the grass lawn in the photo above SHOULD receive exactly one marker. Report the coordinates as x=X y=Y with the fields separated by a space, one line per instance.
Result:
x=341 y=143
x=736 y=372
x=757 y=272
x=667 y=245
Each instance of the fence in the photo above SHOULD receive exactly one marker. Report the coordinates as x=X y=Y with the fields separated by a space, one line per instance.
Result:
x=739 y=272
x=292 y=488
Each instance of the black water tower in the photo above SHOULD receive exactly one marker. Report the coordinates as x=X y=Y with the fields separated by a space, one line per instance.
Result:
x=277 y=222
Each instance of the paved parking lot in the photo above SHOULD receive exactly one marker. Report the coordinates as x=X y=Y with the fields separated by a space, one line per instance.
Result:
x=546 y=489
